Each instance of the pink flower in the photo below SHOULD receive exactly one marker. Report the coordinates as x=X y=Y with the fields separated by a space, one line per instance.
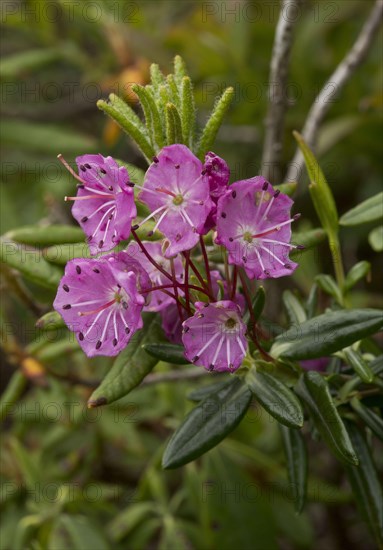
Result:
x=171 y=323
x=100 y=302
x=158 y=300
x=177 y=192
x=254 y=224
x=214 y=336
x=218 y=175
x=104 y=206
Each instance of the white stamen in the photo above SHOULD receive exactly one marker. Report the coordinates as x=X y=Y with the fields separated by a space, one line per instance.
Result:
x=239 y=342
x=275 y=227
x=115 y=324
x=259 y=205
x=267 y=209
x=218 y=350
x=228 y=351
x=106 y=325
x=272 y=254
x=94 y=321
x=90 y=302
x=102 y=219
x=259 y=259
x=160 y=220
x=279 y=242
x=122 y=319
x=97 y=192
x=207 y=343
x=100 y=208
x=153 y=214
x=184 y=213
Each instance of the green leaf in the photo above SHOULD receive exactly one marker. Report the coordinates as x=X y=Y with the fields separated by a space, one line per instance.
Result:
x=367 y=211
x=356 y=273
x=127 y=119
x=366 y=485
x=288 y=188
x=47 y=138
x=12 y=393
x=152 y=116
x=27 y=61
x=296 y=457
x=278 y=400
x=328 y=285
x=83 y=533
x=376 y=365
x=50 y=321
x=180 y=71
x=312 y=301
x=207 y=424
x=170 y=353
x=30 y=263
x=295 y=312
x=188 y=112
x=156 y=76
x=213 y=124
x=320 y=191
x=200 y=393
x=308 y=239
x=371 y=419
x=130 y=367
x=327 y=333
x=125 y=521
x=60 y=254
x=314 y=391
x=173 y=91
x=173 y=125
x=48 y=235
x=375 y=238
x=360 y=366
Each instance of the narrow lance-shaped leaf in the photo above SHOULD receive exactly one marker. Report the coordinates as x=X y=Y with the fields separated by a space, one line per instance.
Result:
x=170 y=353
x=188 y=113
x=207 y=424
x=174 y=93
x=50 y=321
x=30 y=262
x=173 y=125
x=201 y=393
x=130 y=367
x=356 y=273
x=60 y=254
x=156 y=76
x=360 y=366
x=375 y=238
x=367 y=211
x=48 y=235
x=278 y=400
x=365 y=484
x=213 y=124
x=127 y=119
x=314 y=391
x=308 y=239
x=296 y=457
x=312 y=301
x=327 y=333
x=295 y=312
x=152 y=115
x=372 y=419
x=320 y=191
x=328 y=285
x=179 y=69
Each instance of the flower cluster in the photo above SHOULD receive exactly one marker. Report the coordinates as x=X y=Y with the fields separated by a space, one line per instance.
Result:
x=101 y=299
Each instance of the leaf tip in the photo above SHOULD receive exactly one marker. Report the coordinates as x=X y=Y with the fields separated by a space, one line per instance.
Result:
x=93 y=403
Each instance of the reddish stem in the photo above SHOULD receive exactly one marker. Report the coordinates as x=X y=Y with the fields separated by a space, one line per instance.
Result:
x=234 y=283
x=186 y=279
x=176 y=291
x=198 y=275
x=151 y=260
x=206 y=261
x=252 y=317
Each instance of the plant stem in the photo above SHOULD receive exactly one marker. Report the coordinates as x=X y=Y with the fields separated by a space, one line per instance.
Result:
x=206 y=262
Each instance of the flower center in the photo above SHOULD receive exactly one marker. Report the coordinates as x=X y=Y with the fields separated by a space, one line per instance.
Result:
x=178 y=199
x=230 y=323
x=248 y=237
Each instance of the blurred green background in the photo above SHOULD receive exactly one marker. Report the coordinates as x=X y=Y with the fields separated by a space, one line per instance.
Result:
x=80 y=479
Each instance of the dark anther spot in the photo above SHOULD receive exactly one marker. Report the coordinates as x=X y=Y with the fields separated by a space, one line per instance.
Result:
x=127 y=330
x=78 y=269
x=80 y=336
x=135 y=227
x=84 y=219
x=67 y=306
x=195 y=358
x=102 y=171
x=88 y=166
x=265 y=186
x=101 y=244
x=98 y=345
x=82 y=168
x=231 y=239
x=155 y=160
x=66 y=288
x=96 y=270
x=234 y=194
x=223 y=214
x=115 y=342
x=177 y=166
